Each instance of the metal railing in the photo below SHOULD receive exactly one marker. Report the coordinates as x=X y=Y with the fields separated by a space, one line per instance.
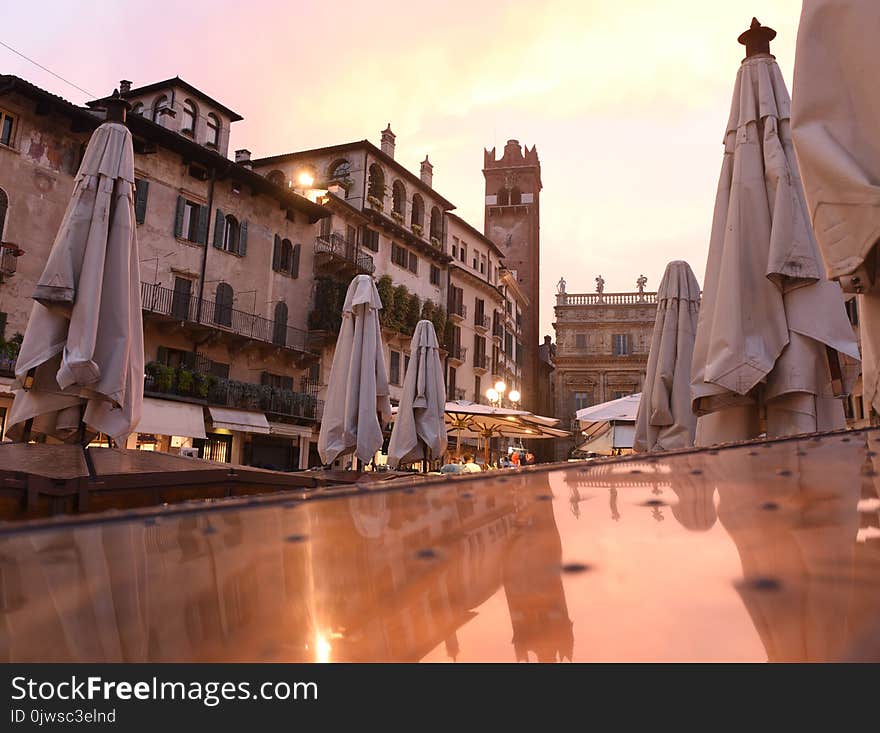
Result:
x=336 y=245
x=459 y=353
x=246 y=395
x=458 y=310
x=184 y=307
x=9 y=254
x=456 y=393
x=481 y=361
x=481 y=320
x=606 y=298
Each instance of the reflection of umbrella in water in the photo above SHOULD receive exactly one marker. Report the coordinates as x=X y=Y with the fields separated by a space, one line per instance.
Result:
x=472 y=420
x=80 y=370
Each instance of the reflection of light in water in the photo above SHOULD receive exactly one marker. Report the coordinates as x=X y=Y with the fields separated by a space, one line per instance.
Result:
x=322 y=648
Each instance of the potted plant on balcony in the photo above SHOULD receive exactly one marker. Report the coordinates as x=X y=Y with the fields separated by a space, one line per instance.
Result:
x=203 y=384
x=162 y=376
x=186 y=381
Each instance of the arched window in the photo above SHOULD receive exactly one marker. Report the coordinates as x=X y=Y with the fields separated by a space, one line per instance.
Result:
x=286 y=255
x=279 y=326
x=231 y=234
x=398 y=195
x=436 y=224
x=190 y=113
x=515 y=196
x=278 y=178
x=376 y=185
x=223 y=305
x=503 y=197
x=4 y=207
x=294 y=261
x=160 y=104
x=339 y=170
x=418 y=210
x=137 y=109
x=213 y=130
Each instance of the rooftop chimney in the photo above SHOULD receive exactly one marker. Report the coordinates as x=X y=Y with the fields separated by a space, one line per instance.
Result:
x=124 y=86
x=427 y=173
x=388 y=138
x=243 y=157
x=757 y=39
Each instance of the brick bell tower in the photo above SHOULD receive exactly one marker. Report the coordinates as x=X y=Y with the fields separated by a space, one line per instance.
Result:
x=513 y=190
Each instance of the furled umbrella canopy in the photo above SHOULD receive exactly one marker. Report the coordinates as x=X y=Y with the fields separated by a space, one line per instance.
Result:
x=420 y=425
x=357 y=401
x=665 y=420
x=836 y=127
x=84 y=339
x=772 y=334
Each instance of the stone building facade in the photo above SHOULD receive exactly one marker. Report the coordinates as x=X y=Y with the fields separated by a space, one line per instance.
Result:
x=602 y=343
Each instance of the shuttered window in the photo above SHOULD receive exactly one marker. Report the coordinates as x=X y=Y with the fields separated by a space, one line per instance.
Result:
x=620 y=344
x=190 y=220
x=141 y=188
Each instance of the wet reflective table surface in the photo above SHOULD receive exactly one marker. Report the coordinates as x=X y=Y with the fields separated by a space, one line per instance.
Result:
x=750 y=553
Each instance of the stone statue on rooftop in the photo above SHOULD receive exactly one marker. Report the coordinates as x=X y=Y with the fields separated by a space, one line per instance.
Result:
x=600 y=285
x=640 y=284
x=560 y=286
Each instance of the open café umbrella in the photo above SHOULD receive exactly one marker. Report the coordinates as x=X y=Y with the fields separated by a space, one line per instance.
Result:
x=420 y=426
x=773 y=336
x=835 y=120
x=80 y=370
x=473 y=420
x=357 y=396
x=665 y=420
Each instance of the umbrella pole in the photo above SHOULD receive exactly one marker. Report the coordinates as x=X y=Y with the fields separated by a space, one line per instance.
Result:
x=486 y=440
x=85 y=449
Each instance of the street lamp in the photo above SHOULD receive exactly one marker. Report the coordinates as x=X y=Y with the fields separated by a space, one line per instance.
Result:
x=514 y=396
x=493 y=396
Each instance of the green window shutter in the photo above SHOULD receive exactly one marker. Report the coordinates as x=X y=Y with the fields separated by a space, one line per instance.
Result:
x=141 y=187
x=178 y=217
x=294 y=267
x=219 y=229
x=276 y=253
x=203 y=225
x=242 y=238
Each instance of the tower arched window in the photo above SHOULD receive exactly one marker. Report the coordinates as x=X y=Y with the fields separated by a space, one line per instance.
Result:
x=503 y=197
x=515 y=196
x=160 y=104
x=213 y=130
x=340 y=170
x=137 y=109
x=436 y=224
x=231 y=234
x=278 y=178
x=376 y=184
x=418 y=210
x=190 y=113
x=279 y=325
x=4 y=207
x=398 y=197
x=223 y=304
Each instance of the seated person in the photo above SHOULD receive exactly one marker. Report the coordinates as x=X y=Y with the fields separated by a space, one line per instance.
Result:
x=469 y=465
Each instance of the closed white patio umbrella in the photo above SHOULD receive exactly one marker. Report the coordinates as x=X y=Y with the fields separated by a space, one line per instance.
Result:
x=772 y=332
x=835 y=120
x=420 y=425
x=358 y=400
x=82 y=357
x=665 y=420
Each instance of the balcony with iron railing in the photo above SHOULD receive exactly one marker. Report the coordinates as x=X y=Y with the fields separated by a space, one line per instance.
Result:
x=457 y=353
x=482 y=322
x=208 y=390
x=9 y=254
x=201 y=313
x=456 y=393
x=481 y=363
x=458 y=311
x=334 y=252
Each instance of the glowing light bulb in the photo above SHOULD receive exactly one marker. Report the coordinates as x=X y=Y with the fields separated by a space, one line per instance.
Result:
x=305 y=179
x=492 y=395
x=500 y=387
x=514 y=395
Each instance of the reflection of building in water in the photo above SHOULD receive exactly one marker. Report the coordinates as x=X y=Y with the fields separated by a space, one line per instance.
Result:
x=347 y=579
x=533 y=586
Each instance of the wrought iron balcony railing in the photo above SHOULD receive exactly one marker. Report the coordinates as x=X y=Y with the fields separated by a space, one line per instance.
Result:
x=481 y=361
x=338 y=247
x=458 y=310
x=458 y=353
x=482 y=321
x=188 y=308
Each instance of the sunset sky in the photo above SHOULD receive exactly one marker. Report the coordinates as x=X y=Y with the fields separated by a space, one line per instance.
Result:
x=626 y=101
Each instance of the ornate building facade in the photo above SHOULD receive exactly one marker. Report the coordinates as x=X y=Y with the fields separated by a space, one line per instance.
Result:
x=602 y=343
